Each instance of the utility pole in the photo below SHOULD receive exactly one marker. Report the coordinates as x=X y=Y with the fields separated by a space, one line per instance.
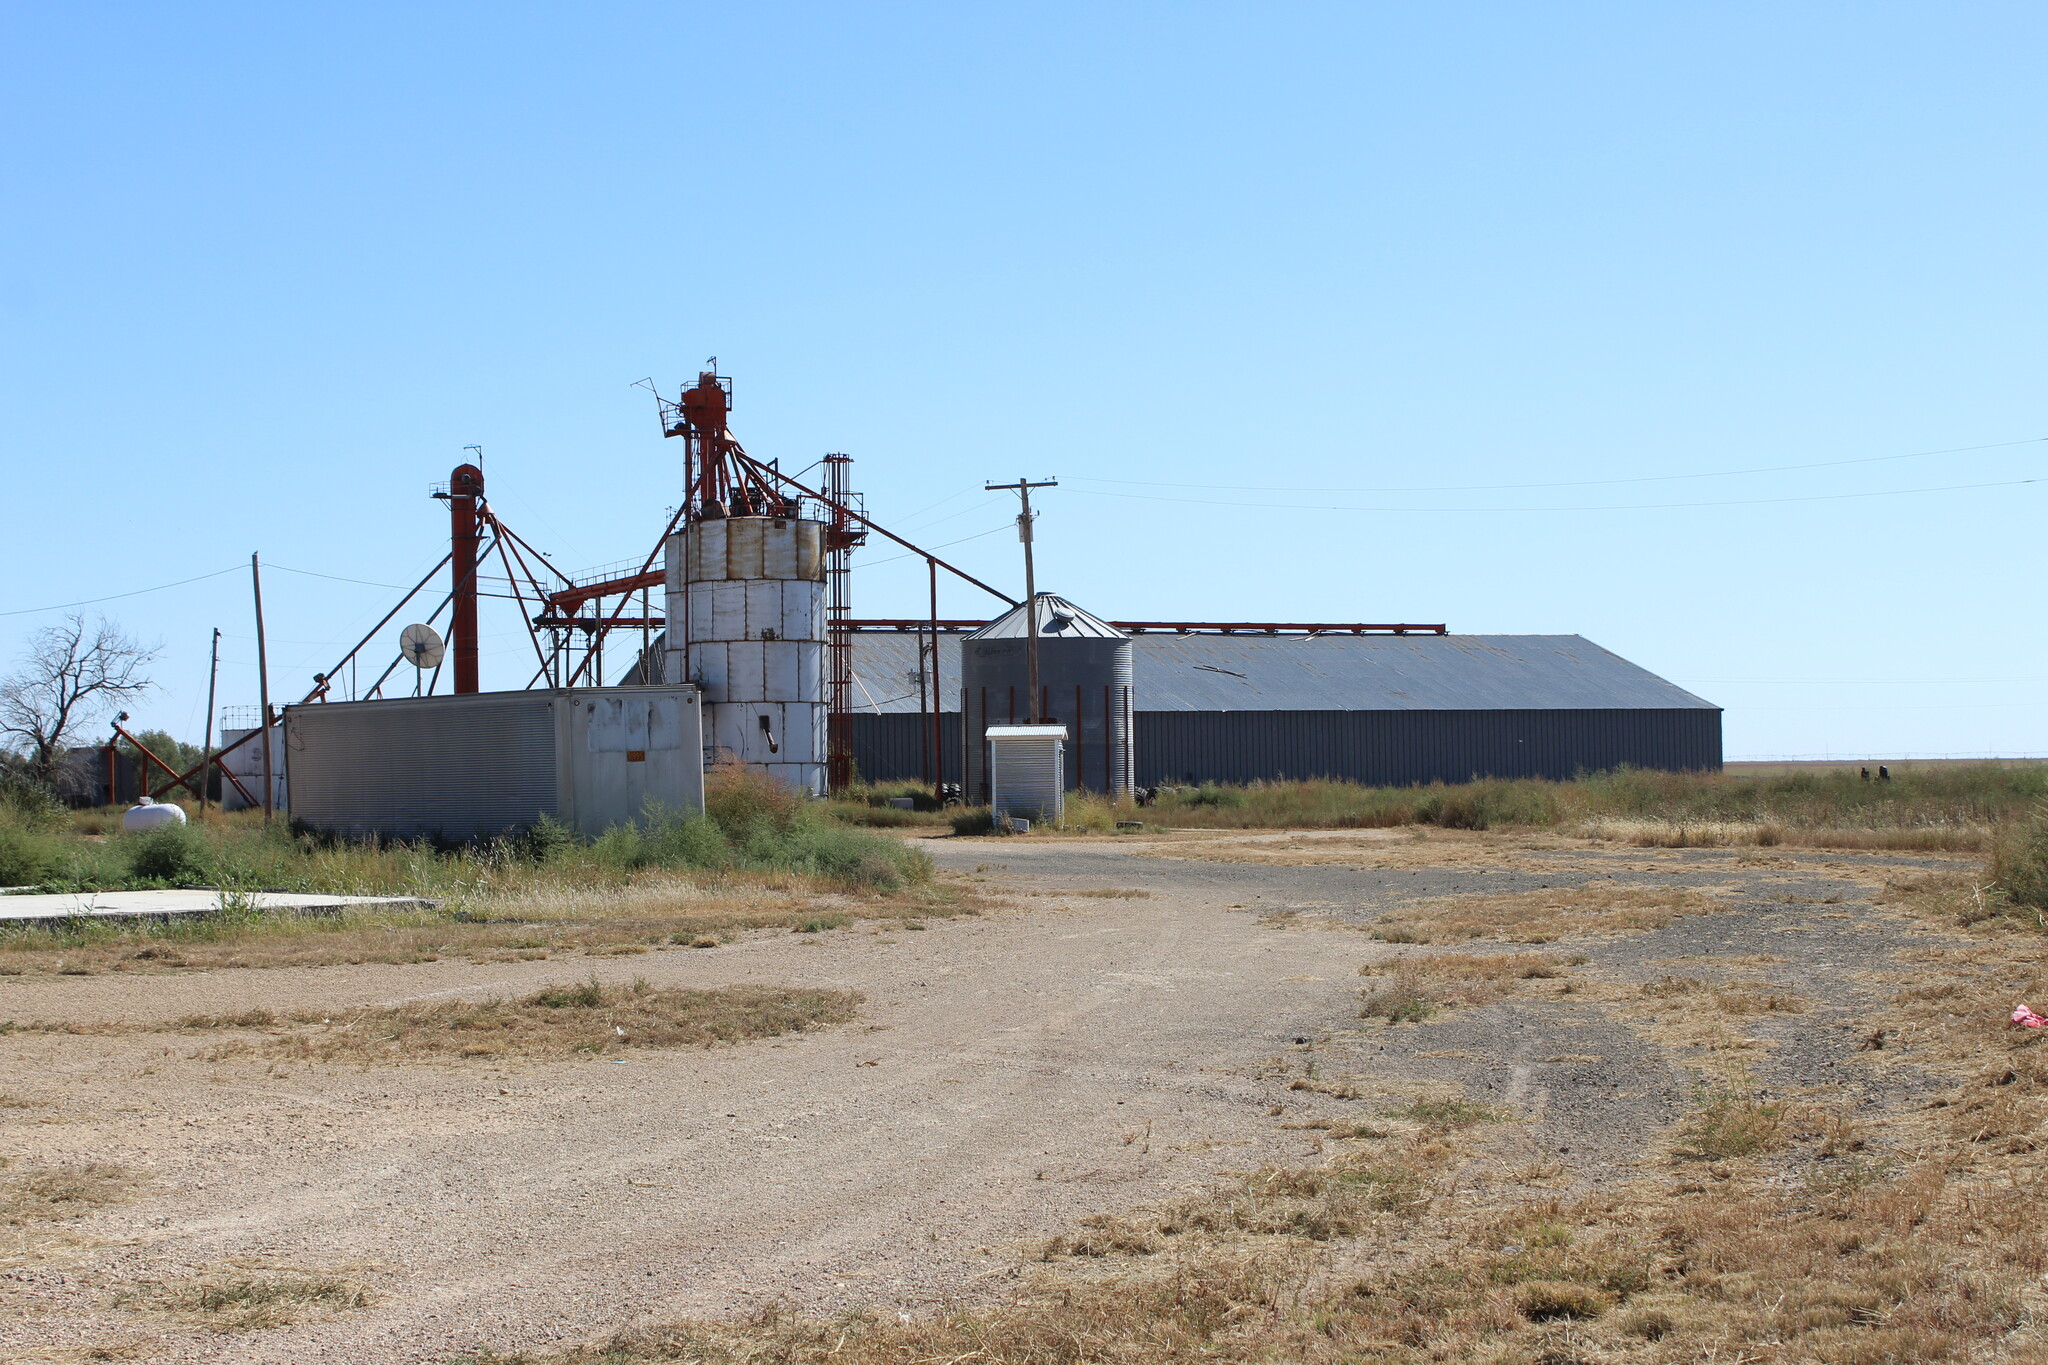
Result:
x=1034 y=702
x=205 y=767
x=262 y=685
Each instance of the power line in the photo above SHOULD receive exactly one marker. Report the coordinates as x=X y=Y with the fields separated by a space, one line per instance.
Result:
x=1610 y=507
x=1006 y=526
x=1577 y=483
x=92 y=601
x=335 y=577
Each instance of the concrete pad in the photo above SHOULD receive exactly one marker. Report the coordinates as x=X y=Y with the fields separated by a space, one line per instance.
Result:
x=44 y=908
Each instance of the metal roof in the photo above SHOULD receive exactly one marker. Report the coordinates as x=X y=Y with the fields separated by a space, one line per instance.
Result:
x=1056 y=617
x=1322 y=673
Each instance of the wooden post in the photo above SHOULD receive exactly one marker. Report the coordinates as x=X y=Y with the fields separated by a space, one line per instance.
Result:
x=206 y=750
x=262 y=687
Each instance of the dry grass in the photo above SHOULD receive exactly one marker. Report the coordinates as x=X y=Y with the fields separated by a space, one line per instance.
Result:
x=651 y=911
x=51 y=1193
x=1543 y=916
x=1862 y=1260
x=560 y=1021
x=1417 y=986
x=1402 y=999
x=1945 y=838
x=1964 y=897
x=237 y=1299
x=585 y=1018
x=1729 y=997
x=1494 y=967
x=1318 y=1204
x=1731 y=1123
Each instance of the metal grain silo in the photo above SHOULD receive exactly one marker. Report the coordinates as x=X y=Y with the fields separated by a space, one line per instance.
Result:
x=1084 y=683
x=746 y=623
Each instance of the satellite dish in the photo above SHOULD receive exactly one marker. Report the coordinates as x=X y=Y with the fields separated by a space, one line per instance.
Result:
x=421 y=646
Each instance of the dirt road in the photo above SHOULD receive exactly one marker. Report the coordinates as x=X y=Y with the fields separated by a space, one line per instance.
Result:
x=1064 y=1055
x=1008 y=1074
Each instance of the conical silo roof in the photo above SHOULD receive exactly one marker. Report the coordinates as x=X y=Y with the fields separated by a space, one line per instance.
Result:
x=1058 y=619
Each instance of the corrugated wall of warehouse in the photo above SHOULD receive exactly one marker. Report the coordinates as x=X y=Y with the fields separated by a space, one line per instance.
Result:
x=891 y=747
x=1397 y=748
x=1385 y=748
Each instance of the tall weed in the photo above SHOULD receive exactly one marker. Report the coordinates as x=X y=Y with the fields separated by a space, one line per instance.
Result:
x=1938 y=807
x=2019 y=858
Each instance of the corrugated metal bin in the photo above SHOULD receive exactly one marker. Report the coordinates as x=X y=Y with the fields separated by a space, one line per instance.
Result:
x=1084 y=683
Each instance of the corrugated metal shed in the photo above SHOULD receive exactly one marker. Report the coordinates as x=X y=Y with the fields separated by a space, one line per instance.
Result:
x=481 y=764
x=1384 y=709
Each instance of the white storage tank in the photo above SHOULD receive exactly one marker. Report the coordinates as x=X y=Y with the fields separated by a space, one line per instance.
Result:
x=746 y=624
x=149 y=813
x=1027 y=777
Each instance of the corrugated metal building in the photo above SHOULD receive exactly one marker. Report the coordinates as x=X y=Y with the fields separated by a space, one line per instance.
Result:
x=1383 y=709
x=482 y=764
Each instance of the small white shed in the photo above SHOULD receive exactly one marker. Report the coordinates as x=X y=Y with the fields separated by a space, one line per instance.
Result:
x=1027 y=771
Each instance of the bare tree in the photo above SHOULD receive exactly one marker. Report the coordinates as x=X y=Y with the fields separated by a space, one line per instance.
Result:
x=73 y=674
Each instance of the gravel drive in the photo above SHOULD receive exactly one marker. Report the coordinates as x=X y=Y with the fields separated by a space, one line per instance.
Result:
x=1063 y=1055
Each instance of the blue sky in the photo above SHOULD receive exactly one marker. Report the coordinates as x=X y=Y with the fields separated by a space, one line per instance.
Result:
x=267 y=270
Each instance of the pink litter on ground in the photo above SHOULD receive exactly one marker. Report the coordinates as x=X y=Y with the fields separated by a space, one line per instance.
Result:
x=2026 y=1018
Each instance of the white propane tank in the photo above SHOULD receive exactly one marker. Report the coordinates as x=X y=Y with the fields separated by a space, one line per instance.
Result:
x=149 y=814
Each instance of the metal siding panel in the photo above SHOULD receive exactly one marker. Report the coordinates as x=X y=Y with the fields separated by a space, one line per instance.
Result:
x=713 y=666
x=707 y=554
x=893 y=748
x=1401 y=748
x=609 y=784
x=745 y=678
x=744 y=544
x=730 y=728
x=783 y=671
x=811 y=670
x=803 y=611
x=810 y=551
x=718 y=611
x=425 y=768
x=778 y=550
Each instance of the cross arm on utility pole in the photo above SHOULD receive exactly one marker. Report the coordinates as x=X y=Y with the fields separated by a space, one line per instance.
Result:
x=1033 y=703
